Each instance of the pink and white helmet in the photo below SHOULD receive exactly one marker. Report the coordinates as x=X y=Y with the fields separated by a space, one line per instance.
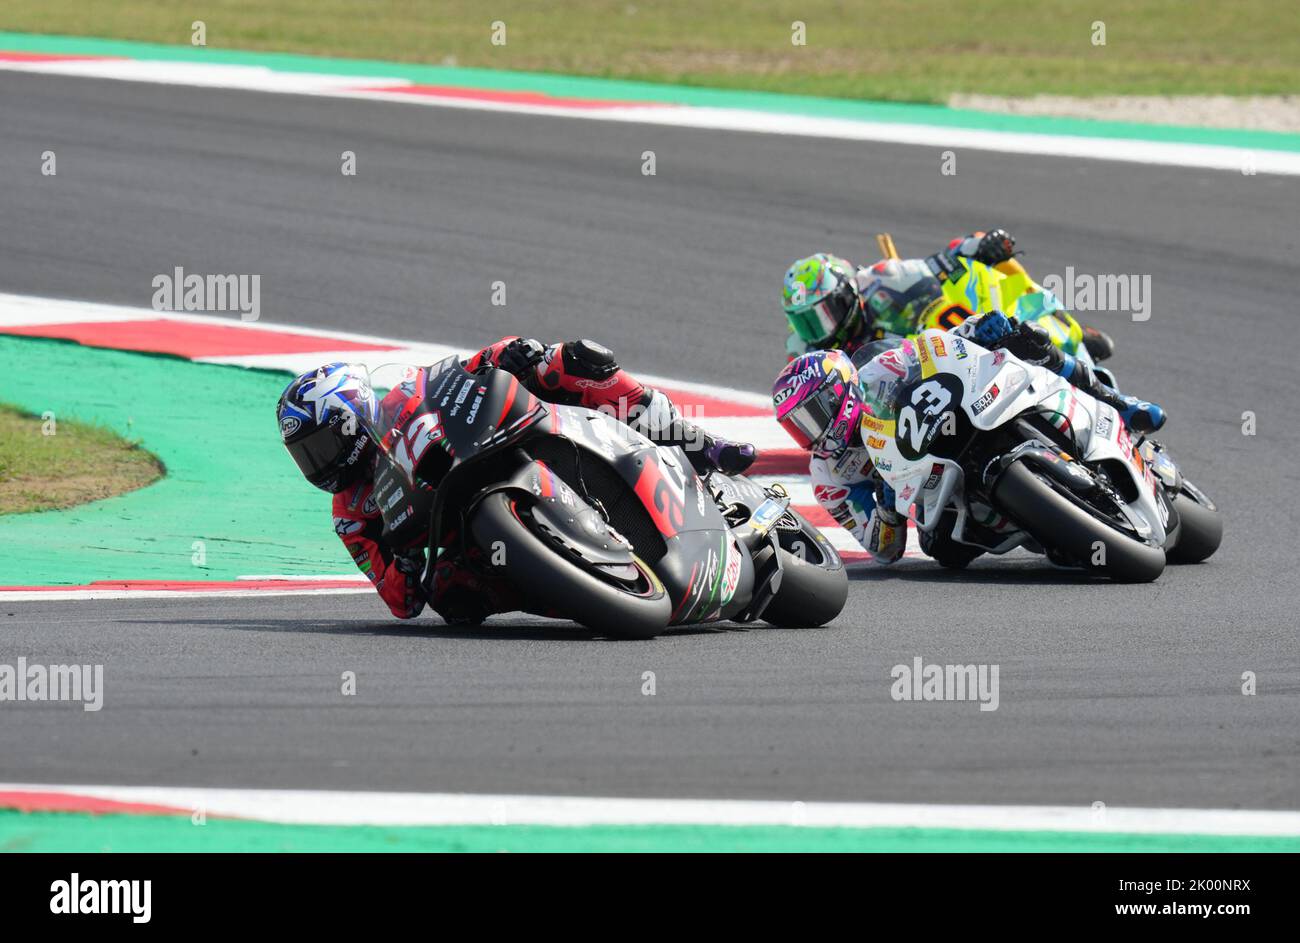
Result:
x=818 y=401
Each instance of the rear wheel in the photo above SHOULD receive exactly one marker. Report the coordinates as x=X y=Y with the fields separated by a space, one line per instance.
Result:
x=1055 y=521
x=626 y=602
x=1200 y=529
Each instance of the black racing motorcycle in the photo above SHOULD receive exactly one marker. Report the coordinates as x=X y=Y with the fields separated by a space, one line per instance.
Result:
x=585 y=517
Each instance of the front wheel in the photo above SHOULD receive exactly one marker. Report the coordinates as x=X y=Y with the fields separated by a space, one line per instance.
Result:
x=814 y=585
x=631 y=604
x=1056 y=521
x=1200 y=528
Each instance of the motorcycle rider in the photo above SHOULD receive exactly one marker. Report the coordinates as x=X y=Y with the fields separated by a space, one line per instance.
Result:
x=831 y=304
x=822 y=401
x=319 y=411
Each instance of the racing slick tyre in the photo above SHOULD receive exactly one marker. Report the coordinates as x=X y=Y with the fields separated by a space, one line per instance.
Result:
x=1200 y=530
x=1056 y=521
x=639 y=609
x=814 y=584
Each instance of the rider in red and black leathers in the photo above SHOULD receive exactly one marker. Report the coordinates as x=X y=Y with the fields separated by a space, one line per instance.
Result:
x=580 y=373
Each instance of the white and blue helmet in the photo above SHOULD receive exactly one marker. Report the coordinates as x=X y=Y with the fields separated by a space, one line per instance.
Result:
x=327 y=421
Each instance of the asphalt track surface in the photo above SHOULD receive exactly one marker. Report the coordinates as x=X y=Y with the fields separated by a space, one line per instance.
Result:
x=1126 y=695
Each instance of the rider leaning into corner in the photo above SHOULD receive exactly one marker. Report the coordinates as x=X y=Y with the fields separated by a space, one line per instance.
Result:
x=831 y=305
x=822 y=400
x=339 y=456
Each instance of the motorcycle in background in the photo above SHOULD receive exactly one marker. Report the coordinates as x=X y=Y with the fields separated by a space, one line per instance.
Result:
x=1008 y=454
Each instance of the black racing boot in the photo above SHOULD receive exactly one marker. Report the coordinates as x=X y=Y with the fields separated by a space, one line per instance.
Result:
x=1100 y=344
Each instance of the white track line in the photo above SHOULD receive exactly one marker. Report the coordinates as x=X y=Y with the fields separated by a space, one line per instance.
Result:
x=400 y=808
x=939 y=137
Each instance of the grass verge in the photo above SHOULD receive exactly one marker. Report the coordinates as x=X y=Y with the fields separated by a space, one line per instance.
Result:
x=47 y=464
x=901 y=50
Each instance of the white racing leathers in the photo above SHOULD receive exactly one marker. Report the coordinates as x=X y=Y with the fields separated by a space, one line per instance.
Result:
x=844 y=484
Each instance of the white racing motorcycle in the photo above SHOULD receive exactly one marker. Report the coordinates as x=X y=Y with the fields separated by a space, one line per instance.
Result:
x=1010 y=455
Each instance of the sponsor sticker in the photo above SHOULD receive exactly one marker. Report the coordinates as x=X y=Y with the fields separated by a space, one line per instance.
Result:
x=344 y=526
x=1104 y=425
x=830 y=493
x=985 y=401
x=731 y=576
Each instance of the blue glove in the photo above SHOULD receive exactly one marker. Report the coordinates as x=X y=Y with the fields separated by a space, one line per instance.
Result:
x=992 y=328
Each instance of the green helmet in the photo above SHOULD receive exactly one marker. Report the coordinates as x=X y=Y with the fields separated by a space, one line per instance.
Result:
x=820 y=299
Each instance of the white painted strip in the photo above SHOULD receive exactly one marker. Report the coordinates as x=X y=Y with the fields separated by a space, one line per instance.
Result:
x=371 y=359
x=1204 y=156
x=759 y=400
x=398 y=808
x=256 y=78
x=33 y=311
x=760 y=431
x=251 y=78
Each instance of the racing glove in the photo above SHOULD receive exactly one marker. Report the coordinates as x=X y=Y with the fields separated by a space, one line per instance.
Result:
x=521 y=354
x=987 y=329
x=995 y=247
x=409 y=562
